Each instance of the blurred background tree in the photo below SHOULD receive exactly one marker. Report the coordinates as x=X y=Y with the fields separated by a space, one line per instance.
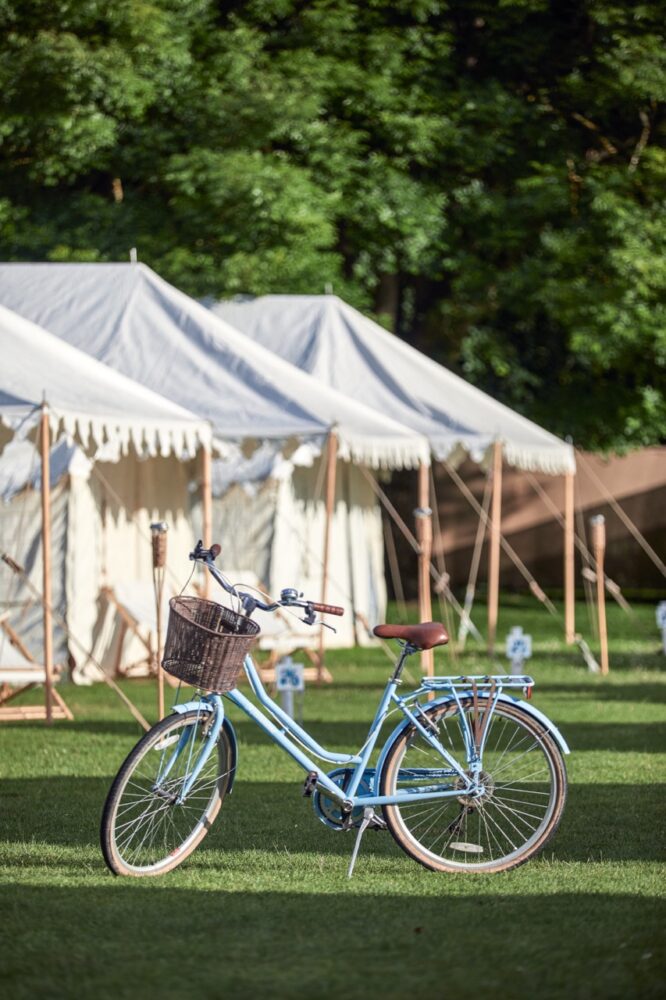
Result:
x=485 y=177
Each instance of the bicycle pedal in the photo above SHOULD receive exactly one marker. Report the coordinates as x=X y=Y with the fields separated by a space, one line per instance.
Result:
x=310 y=784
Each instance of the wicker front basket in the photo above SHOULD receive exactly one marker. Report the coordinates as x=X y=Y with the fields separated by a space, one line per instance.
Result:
x=206 y=643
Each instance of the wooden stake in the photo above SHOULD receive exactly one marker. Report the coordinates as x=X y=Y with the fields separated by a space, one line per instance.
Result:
x=423 y=517
x=494 y=553
x=45 y=447
x=599 y=545
x=331 y=469
x=207 y=507
x=569 y=542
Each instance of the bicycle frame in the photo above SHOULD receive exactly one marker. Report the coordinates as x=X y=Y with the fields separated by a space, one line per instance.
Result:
x=454 y=736
x=295 y=741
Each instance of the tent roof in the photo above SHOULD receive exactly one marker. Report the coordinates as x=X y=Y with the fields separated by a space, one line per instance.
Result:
x=338 y=345
x=128 y=317
x=90 y=400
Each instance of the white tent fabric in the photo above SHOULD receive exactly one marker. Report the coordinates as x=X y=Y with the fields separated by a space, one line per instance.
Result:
x=324 y=336
x=21 y=538
x=277 y=533
x=128 y=317
x=138 y=324
x=100 y=536
x=90 y=401
x=96 y=525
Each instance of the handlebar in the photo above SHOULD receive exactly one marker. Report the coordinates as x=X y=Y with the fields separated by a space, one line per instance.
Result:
x=289 y=598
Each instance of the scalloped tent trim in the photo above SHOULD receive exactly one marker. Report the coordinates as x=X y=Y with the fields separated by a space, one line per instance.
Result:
x=150 y=439
x=101 y=409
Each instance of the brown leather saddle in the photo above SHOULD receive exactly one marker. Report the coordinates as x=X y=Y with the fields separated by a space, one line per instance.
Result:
x=423 y=636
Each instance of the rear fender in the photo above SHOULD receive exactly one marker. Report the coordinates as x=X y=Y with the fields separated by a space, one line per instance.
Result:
x=524 y=705
x=203 y=706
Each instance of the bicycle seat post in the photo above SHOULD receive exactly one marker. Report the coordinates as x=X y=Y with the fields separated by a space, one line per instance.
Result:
x=407 y=650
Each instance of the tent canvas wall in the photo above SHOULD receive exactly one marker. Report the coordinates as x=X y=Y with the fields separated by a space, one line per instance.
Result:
x=275 y=528
x=96 y=540
x=101 y=520
x=126 y=316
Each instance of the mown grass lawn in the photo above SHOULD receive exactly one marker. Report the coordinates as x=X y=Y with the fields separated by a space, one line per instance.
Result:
x=264 y=908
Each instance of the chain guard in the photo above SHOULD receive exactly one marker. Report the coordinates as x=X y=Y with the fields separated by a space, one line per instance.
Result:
x=330 y=812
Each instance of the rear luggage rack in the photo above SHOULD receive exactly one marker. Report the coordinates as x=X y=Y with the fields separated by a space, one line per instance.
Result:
x=479 y=680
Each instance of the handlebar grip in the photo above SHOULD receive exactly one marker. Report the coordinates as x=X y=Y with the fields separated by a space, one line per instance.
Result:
x=327 y=609
x=215 y=550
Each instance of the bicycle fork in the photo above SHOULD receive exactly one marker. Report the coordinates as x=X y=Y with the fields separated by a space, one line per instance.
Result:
x=188 y=736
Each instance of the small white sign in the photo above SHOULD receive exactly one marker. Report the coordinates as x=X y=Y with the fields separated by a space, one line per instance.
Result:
x=518 y=645
x=661 y=615
x=289 y=675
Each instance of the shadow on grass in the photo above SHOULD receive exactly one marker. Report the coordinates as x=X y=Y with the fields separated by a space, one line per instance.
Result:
x=112 y=727
x=649 y=661
x=624 y=737
x=646 y=693
x=135 y=939
x=348 y=736
x=613 y=822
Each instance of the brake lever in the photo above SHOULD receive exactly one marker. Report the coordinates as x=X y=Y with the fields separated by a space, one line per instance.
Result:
x=310 y=618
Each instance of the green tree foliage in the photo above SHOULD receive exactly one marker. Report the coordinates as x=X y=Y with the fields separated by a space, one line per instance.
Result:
x=488 y=177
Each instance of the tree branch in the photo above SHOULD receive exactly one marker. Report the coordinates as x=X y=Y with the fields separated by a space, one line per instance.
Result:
x=642 y=142
x=588 y=124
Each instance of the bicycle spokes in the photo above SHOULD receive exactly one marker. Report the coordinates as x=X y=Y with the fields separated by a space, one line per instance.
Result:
x=504 y=810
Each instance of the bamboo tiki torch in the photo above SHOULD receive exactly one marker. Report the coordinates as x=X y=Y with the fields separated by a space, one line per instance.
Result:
x=159 y=540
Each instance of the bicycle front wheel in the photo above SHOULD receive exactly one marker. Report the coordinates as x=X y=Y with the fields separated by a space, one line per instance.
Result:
x=524 y=780
x=145 y=829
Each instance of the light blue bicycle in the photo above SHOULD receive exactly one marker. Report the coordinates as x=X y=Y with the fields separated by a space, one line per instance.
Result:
x=471 y=779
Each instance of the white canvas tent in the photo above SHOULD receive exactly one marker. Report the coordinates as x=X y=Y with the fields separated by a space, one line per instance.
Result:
x=339 y=346
x=143 y=442
x=126 y=316
x=344 y=349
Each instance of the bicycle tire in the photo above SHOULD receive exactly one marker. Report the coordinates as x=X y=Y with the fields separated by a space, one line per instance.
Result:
x=526 y=787
x=134 y=809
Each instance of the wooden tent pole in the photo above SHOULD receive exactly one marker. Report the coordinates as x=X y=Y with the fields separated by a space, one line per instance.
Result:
x=494 y=554
x=207 y=506
x=569 y=543
x=45 y=447
x=331 y=469
x=423 y=517
x=599 y=544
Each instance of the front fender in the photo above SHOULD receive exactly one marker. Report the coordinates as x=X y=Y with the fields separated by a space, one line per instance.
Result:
x=549 y=726
x=204 y=706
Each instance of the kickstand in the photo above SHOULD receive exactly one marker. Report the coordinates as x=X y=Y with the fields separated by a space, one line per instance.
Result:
x=368 y=816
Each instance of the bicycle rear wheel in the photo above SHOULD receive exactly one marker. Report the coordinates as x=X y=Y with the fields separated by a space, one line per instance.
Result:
x=145 y=830
x=525 y=792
